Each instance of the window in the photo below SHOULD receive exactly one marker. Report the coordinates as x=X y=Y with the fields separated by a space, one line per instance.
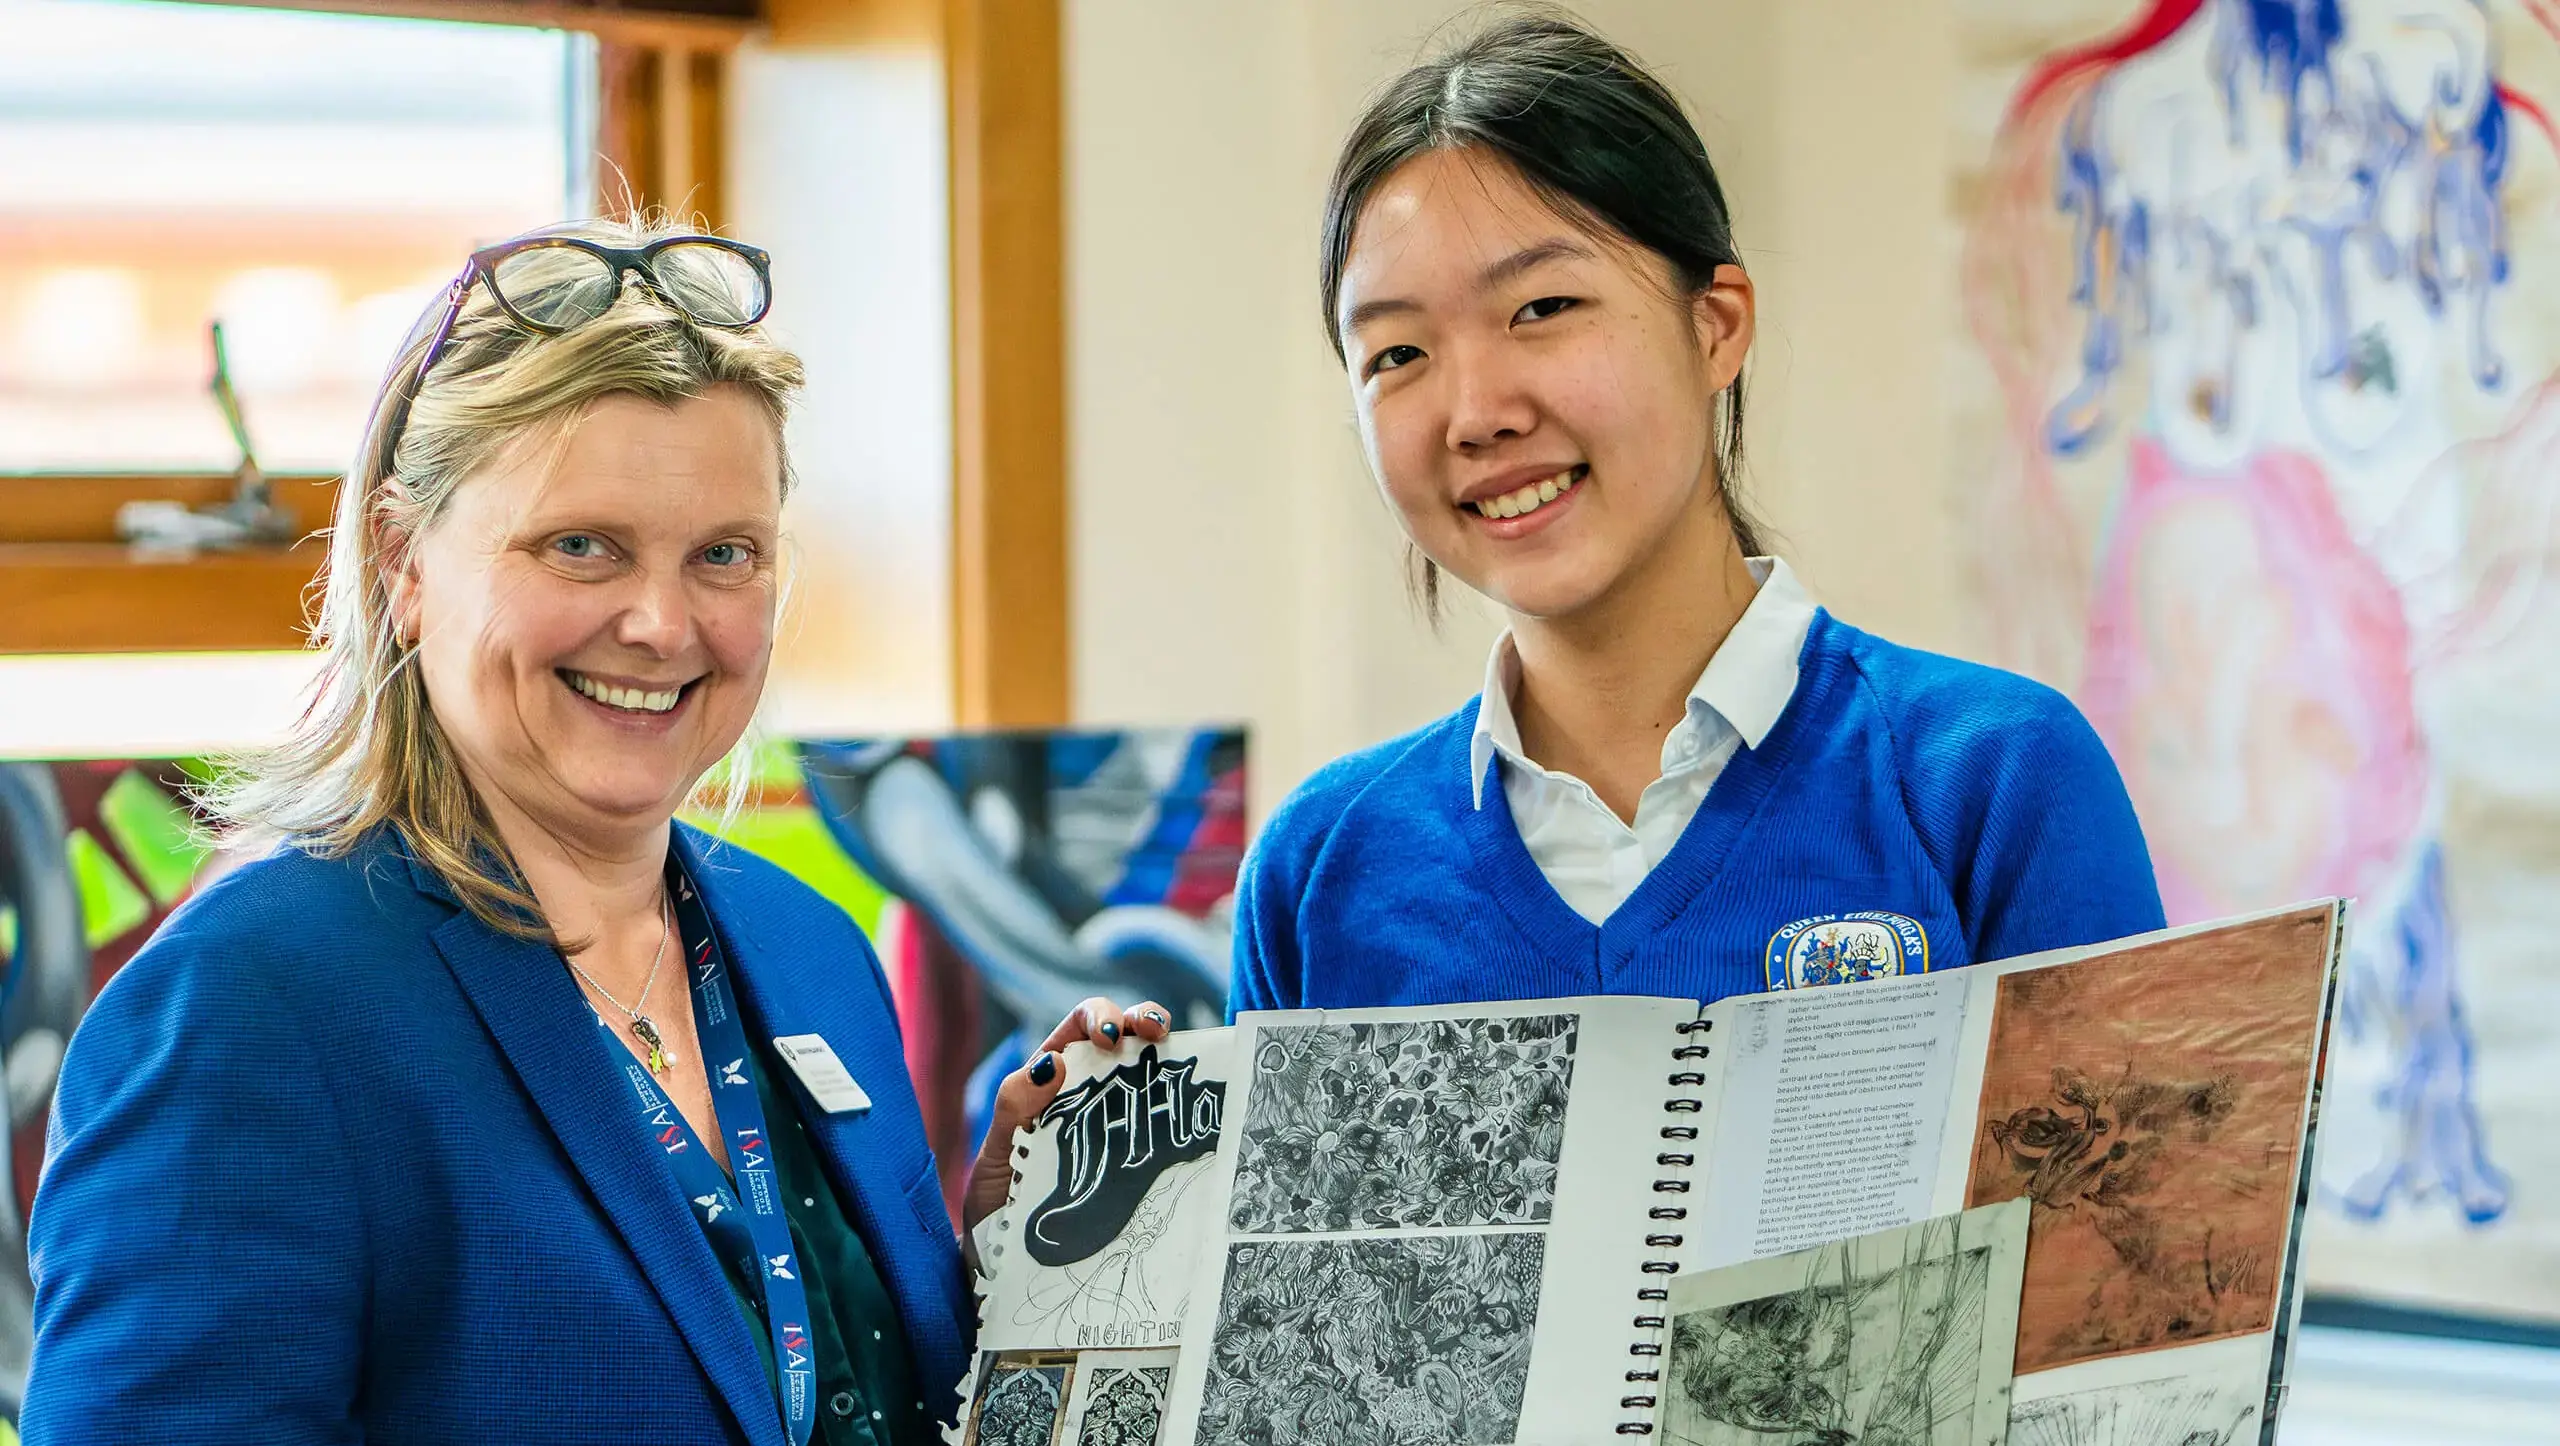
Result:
x=307 y=179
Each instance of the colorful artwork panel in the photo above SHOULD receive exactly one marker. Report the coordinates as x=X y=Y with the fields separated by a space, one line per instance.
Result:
x=2257 y=443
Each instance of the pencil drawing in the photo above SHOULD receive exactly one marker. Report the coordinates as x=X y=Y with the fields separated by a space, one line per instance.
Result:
x=1126 y=1407
x=1428 y=1123
x=2145 y=1413
x=1402 y=1341
x=1132 y=1292
x=1892 y=1339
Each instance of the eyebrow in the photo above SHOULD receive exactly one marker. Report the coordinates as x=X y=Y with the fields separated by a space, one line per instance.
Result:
x=1510 y=268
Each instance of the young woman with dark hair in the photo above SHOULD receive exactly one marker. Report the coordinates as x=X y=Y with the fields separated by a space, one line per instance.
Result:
x=1682 y=777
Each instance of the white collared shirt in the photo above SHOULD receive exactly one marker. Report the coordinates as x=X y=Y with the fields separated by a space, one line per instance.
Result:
x=1593 y=858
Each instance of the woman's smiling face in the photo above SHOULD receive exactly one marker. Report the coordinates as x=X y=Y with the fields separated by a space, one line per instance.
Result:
x=1537 y=402
x=594 y=614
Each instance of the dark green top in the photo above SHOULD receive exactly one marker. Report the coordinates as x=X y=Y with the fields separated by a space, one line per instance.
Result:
x=867 y=1391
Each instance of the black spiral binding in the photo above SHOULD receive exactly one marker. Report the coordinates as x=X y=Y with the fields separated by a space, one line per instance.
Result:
x=1653 y=1295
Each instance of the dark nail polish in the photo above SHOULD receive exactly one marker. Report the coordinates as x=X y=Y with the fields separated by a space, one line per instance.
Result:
x=1158 y=1016
x=1044 y=1069
x=1110 y=1032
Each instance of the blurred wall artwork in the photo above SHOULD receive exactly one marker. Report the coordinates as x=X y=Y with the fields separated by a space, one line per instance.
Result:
x=2257 y=442
x=1003 y=878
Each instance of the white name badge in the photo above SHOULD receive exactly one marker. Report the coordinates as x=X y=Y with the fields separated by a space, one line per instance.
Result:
x=821 y=1073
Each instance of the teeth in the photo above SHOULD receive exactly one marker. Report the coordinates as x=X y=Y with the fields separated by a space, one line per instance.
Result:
x=631 y=699
x=1531 y=497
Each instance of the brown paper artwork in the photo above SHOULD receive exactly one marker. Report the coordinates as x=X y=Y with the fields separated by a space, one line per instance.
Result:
x=2148 y=1102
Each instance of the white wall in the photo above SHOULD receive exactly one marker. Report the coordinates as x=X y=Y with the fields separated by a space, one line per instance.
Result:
x=837 y=166
x=1230 y=557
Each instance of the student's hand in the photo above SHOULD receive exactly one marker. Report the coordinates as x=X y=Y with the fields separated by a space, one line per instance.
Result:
x=1028 y=1091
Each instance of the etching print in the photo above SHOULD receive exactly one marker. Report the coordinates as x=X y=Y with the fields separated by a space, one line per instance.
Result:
x=2149 y=1104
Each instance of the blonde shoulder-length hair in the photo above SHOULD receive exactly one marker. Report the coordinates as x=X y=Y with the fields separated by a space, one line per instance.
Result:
x=367 y=753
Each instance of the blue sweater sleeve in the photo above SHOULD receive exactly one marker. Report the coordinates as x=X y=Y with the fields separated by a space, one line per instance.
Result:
x=2024 y=815
x=198 y=1244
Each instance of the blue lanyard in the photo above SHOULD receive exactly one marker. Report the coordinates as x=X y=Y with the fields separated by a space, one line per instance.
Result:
x=754 y=1235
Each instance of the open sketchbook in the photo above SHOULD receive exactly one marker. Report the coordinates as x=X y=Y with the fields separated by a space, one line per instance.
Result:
x=1461 y=1224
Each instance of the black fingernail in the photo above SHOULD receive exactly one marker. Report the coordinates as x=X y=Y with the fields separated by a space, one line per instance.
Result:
x=1044 y=1069
x=1110 y=1032
x=1158 y=1016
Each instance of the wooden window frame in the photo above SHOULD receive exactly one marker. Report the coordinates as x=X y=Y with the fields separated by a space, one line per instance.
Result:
x=67 y=585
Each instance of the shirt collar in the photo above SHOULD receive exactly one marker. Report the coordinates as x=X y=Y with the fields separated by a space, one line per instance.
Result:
x=1748 y=682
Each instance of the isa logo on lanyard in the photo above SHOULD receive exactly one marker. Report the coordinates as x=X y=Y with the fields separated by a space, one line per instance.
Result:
x=1846 y=948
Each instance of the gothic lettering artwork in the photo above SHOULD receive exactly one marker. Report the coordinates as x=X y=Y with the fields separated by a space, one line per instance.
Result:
x=1117 y=1136
x=1100 y=1247
x=2155 y=1138
x=2257 y=445
x=1382 y=1341
x=1424 y=1124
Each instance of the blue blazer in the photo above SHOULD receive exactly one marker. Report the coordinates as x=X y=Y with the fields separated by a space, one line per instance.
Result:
x=333 y=1161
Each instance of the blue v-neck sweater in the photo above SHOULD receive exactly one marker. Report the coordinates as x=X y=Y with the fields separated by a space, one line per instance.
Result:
x=1908 y=812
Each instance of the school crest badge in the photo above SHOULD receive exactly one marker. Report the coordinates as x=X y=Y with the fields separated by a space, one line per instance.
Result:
x=1846 y=948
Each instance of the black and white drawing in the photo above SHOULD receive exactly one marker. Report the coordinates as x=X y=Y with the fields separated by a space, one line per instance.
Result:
x=1116 y=1135
x=1021 y=1396
x=1421 y=1124
x=1901 y=1337
x=1124 y=1406
x=1131 y=1292
x=2174 y=1412
x=1116 y=1196
x=1403 y=1341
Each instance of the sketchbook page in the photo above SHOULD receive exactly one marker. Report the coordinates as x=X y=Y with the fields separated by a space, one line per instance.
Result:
x=1117 y=1398
x=1116 y=1191
x=2207 y=1395
x=1833 y=1113
x=1436 y=1225
x=1901 y=1335
x=2153 y=1101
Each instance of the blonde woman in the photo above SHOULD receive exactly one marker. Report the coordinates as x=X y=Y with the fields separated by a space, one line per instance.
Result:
x=493 y=1105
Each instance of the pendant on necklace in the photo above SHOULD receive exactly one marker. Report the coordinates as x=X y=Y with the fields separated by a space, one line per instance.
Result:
x=647 y=1033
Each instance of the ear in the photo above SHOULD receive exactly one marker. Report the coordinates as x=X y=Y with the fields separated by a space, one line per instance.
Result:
x=1724 y=315
x=400 y=579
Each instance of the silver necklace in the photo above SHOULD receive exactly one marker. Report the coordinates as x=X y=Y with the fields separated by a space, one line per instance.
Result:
x=642 y=1027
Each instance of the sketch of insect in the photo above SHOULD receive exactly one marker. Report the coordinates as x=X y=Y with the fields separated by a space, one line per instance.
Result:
x=1020 y=1397
x=1404 y=1341
x=2143 y=1413
x=1891 y=1357
x=1428 y=1123
x=1126 y=1407
x=2120 y=1160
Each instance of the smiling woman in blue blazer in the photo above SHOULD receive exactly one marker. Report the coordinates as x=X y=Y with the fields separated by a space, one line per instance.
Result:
x=491 y=1104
